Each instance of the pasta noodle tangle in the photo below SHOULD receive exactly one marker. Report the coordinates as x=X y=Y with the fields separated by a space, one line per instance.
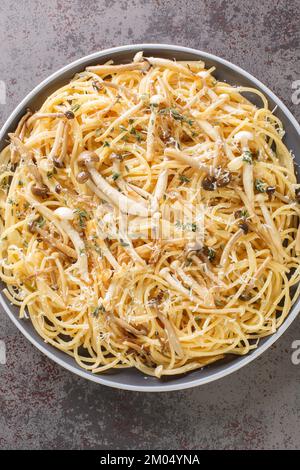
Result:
x=149 y=218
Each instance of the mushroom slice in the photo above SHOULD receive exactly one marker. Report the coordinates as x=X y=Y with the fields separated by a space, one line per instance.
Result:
x=248 y=182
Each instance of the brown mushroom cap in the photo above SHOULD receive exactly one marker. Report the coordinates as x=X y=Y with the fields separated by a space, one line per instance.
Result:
x=40 y=191
x=82 y=177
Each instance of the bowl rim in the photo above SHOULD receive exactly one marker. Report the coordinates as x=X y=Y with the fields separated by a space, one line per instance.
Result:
x=228 y=368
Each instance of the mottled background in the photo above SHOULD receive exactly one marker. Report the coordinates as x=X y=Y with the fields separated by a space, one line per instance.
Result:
x=45 y=406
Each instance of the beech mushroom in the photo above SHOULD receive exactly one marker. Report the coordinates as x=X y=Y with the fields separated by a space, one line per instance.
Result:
x=125 y=204
x=39 y=189
x=61 y=140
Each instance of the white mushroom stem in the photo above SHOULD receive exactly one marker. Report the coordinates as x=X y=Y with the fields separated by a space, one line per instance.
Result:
x=176 y=285
x=231 y=242
x=21 y=148
x=210 y=108
x=121 y=89
x=64 y=213
x=109 y=295
x=23 y=123
x=128 y=327
x=150 y=135
x=19 y=133
x=208 y=272
x=273 y=232
x=209 y=130
x=105 y=250
x=97 y=191
x=33 y=169
x=236 y=163
x=202 y=291
x=124 y=203
x=79 y=247
x=160 y=189
x=64 y=145
x=117 y=170
x=126 y=241
x=165 y=274
x=37 y=116
x=258 y=272
x=139 y=57
x=139 y=191
x=58 y=140
x=248 y=182
x=65 y=249
x=190 y=161
x=170 y=64
x=243 y=137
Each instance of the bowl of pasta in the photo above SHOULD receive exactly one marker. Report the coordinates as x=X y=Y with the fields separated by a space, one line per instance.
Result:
x=149 y=217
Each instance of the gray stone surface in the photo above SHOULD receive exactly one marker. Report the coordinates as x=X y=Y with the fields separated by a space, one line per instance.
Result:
x=44 y=406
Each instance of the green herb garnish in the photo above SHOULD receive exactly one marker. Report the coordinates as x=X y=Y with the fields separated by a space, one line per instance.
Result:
x=176 y=115
x=40 y=222
x=136 y=133
x=248 y=157
x=115 y=176
x=259 y=186
x=75 y=107
x=97 y=310
x=82 y=216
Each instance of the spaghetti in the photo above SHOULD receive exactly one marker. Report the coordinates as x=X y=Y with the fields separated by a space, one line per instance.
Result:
x=149 y=218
